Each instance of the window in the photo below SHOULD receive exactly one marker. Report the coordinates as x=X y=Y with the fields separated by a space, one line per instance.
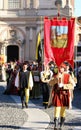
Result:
x=13 y=4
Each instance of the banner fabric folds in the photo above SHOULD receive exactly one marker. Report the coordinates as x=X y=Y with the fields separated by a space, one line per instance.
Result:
x=38 y=48
x=59 y=40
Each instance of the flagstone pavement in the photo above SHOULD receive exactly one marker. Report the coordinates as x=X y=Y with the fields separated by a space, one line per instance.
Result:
x=12 y=117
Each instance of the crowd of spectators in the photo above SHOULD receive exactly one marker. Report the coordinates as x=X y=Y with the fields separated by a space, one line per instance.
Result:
x=9 y=72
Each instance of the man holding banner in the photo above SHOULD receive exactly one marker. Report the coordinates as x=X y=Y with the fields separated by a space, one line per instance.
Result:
x=59 y=40
x=61 y=96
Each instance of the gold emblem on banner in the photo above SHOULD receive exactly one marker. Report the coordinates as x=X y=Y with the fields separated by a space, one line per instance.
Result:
x=59 y=36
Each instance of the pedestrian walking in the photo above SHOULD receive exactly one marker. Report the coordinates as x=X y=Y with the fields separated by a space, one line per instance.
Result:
x=11 y=88
x=62 y=83
x=24 y=85
x=46 y=75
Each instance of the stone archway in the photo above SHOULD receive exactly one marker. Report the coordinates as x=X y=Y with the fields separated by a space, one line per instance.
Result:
x=12 y=53
x=12 y=37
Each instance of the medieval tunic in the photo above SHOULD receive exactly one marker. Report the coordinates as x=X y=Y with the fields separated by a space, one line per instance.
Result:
x=61 y=96
x=23 y=82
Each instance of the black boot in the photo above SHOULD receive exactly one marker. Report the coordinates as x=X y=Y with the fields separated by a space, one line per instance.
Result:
x=26 y=105
x=22 y=104
x=56 y=122
x=62 y=120
x=46 y=106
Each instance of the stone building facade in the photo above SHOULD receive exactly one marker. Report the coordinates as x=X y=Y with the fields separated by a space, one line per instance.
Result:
x=21 y=21
x=78 y=40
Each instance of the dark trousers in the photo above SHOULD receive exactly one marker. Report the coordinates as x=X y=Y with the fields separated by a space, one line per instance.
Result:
x=45 y=92
x=22 y=94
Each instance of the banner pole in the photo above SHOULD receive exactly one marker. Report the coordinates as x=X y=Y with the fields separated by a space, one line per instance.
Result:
x=41 y=44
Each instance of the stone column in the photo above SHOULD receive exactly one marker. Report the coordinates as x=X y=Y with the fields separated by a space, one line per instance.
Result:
x=28 y=3
x=31 y=33
x=24 y=4
x=20 y=54
x=27 y=46
x=32 y=43
x=35 y=4
x=1 y=4
x=5 y=4
x=31 y=3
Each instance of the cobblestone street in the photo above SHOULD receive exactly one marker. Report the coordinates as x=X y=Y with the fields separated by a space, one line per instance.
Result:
x=12 y=117
x=73 y=116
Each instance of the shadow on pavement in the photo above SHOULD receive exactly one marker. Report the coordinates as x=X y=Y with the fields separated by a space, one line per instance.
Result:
x=6 y=100
x=9 y=126
x=77 y=98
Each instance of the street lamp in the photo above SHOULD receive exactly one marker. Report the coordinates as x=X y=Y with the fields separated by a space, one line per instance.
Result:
x=58 y=4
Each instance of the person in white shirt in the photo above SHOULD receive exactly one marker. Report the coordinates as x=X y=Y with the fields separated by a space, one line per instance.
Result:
x=46 y=75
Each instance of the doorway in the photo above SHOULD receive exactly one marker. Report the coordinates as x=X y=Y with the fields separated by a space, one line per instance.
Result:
x=12 y=53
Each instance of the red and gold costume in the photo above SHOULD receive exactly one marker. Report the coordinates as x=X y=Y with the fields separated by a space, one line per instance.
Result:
x=62 y=84
x=61 y=96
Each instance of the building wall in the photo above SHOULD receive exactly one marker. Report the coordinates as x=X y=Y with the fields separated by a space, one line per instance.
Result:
x=26 y=20
x=78 y=40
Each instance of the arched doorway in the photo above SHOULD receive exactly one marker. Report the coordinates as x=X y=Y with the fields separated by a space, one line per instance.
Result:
x=12 y=53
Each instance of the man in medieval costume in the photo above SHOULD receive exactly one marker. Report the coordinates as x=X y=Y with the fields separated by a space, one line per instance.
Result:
x=24 y=82
x=46 y=76
x=62 y=84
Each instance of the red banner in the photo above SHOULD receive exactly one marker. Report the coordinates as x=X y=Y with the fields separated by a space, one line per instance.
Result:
x=59 y=40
